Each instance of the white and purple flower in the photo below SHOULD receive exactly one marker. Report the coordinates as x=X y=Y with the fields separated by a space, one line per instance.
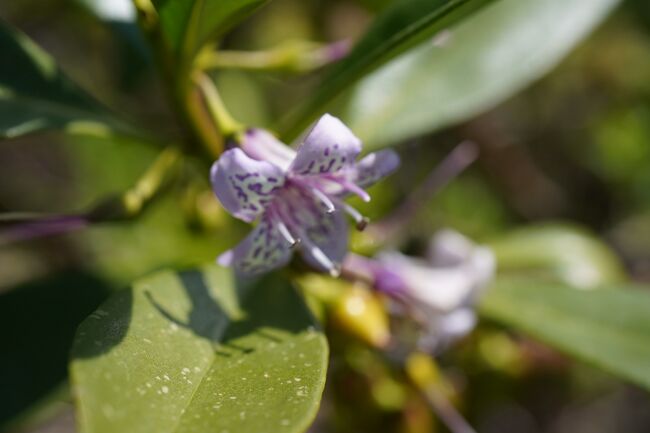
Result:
x=297 y=196
x=439 y=291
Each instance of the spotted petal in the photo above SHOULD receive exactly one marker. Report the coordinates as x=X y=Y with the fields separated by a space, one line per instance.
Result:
x=243 y=185
x=263 y=250
x=329 y=147
x=375 y=166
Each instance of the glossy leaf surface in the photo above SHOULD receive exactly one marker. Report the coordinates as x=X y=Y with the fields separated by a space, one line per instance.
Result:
x=198 y=351
x=399 y=28
x=484 y=60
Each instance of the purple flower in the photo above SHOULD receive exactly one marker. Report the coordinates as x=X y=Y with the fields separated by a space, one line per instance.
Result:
x=296 y=196
x=439 y=291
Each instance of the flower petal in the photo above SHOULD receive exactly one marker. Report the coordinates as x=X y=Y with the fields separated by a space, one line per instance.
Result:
x=329 y=238
x=449 y=248
x=263 y=250
x=323 y=233
x=244 y=186
x=328 y=147
x=375 y=166
x=263 y=146
x=437 y=290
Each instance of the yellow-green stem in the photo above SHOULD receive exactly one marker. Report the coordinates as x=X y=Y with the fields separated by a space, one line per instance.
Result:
x=226 y=124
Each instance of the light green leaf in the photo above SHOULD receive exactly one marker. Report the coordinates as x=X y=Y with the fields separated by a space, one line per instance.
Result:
x=198 y=351
x=609 y=329
x=187 y=25
x=487 y=58
x=36 y=96
x=568 y=253
x=396 y=30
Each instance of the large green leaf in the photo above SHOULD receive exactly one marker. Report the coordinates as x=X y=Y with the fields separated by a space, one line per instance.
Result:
x=487 y=58
x=36 y=96
x=198 y=351
x=565 y=252
x=186 y=25
x=607 y=328
x=399 y=28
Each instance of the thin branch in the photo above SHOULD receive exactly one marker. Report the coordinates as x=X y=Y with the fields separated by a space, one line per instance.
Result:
x=293 y=56
x=461 y=157
x=446 y=411
x=25 y=226
x=227 y=125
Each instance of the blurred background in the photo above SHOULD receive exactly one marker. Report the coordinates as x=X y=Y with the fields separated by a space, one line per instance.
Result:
x=573 y=150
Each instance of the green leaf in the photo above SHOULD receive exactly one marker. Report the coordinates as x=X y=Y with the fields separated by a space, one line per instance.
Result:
x=488 y=57
x=568 y=253
x=37 y=318
x=36 y=96
x=198 y=351
x=609 y=329
x=399 y=28
x=187 y=25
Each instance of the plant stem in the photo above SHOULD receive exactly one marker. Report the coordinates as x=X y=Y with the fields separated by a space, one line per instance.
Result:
x=227 y=125
x=292 y=56
x=25 y=226
x=461 y=157
x=446 y=411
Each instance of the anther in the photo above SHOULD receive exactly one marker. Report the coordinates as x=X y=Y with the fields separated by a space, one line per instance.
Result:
x=360 y=220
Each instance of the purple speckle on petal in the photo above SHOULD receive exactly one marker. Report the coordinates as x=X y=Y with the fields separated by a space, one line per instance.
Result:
x=240 y=192
x=310 y=166
x=243 y=177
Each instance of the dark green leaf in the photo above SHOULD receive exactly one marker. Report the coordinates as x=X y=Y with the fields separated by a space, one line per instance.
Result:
x=488 y=57
x=399 y=28
x=187 y=25
x=607 y=328
x=36 y=96
x=197 y=352
x=37 y=325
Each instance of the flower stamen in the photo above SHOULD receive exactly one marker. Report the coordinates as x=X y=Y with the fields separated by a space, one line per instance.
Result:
x=318 y=255
x=286 y=234
x=323 y=198
x=348 y=186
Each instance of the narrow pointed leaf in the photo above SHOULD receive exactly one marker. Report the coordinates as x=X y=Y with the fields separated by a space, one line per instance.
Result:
x=197 y=352
x=396 y=30
x=35 y=95
x=486 y=59
x=609 y=329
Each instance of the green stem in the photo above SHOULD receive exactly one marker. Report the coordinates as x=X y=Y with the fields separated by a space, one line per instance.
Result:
x=227 y=125
x=24 y=226
x=257 y=61
x=131 y=203
x=291 y=56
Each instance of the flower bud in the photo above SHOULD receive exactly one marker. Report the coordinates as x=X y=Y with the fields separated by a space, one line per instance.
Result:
x=361 y=313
